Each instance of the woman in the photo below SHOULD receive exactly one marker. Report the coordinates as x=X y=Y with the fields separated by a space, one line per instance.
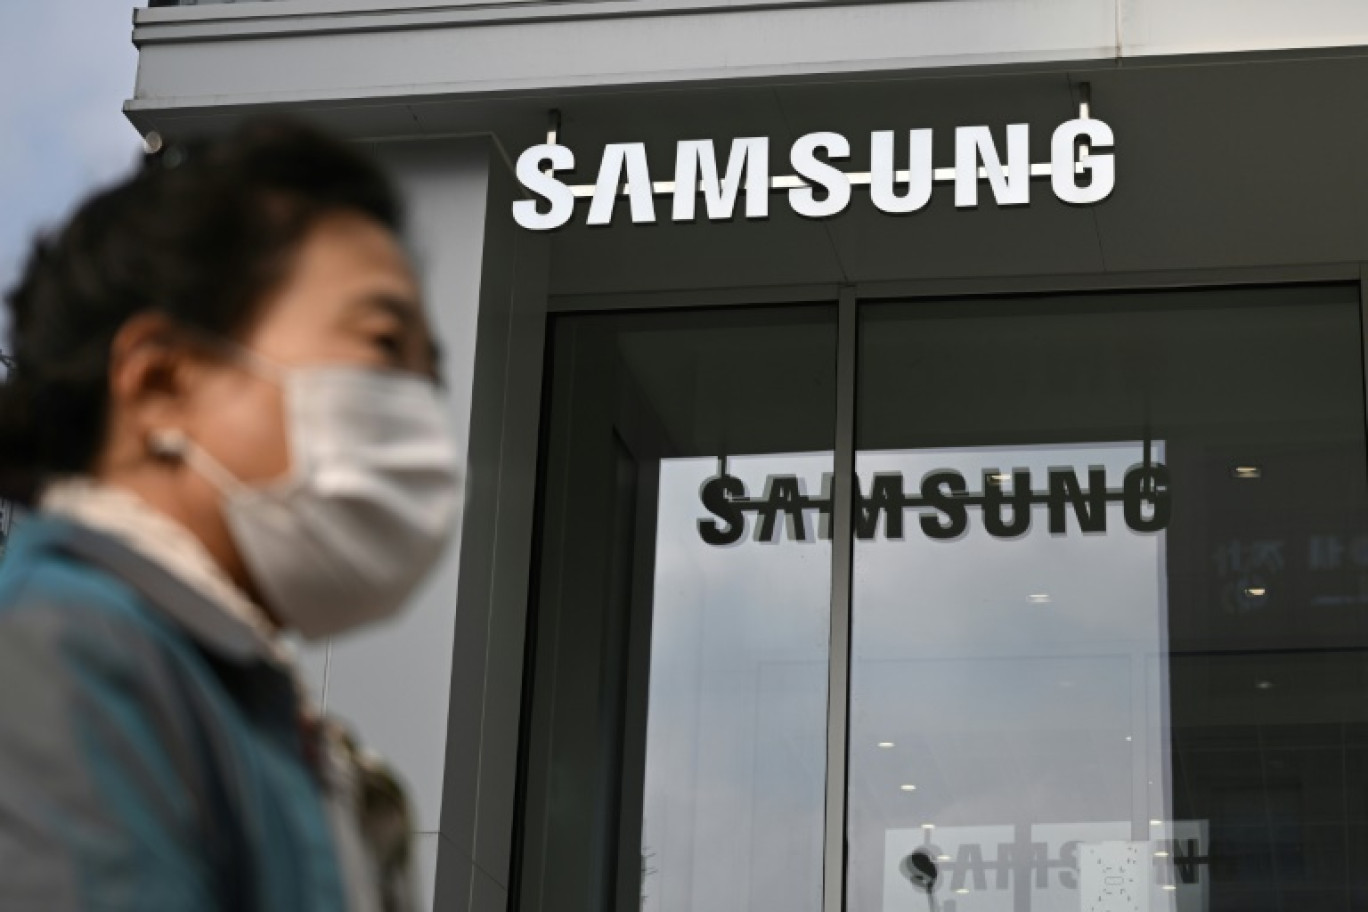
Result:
x=224 y=414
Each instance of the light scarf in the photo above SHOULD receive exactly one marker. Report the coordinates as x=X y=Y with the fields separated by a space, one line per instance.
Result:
x=123 y=515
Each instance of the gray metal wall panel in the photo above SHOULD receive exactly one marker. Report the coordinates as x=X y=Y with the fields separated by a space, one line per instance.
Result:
x=1152 y=27
x=1219 y=165
x=467 y=686
x=486 y=895
x=500 y=356
x=393 y=682
x=519 y=410
x=1237 y=166
x=609 y=51
x=425 y=863
x=295 y=51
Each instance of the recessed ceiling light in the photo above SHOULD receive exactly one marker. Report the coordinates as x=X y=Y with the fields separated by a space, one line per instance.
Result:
x=1129 y=738
x=942 y=858
x=1038 y=598
x=1247 y=471
x=1264 y=685
x=1256 y=591
x=962 y=890
x=1161 y=854
x=1170 y=887
x=928 y=826
x=908 y=787
x=1157 y=823
x=886 y=744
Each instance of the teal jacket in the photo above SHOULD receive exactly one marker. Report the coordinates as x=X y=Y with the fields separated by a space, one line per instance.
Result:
x=151 y=756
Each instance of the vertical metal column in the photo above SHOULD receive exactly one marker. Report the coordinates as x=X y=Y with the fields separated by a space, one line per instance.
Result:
x=842 y=554
x=1363 y=337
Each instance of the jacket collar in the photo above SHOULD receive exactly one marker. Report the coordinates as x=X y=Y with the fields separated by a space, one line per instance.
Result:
x=205 y=622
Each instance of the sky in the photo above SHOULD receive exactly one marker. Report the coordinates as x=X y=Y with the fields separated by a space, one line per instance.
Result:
x=67 y=66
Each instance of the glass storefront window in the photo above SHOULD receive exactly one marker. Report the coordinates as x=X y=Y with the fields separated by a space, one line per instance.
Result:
x=1008 y=691
x=736 y=733
x=677 y=759
x=1108 y=604
x=1113 y=658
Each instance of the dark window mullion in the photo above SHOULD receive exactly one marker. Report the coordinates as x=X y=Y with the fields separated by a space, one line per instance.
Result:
x=842 y=555
x=1363 y=341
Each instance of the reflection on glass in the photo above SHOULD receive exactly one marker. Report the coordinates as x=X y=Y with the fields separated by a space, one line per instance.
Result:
x=1019 y=675
x=737 y=729
x=1098 y=713
x=676 y=746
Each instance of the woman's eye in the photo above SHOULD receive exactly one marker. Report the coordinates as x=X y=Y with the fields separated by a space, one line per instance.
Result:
x=391 y=345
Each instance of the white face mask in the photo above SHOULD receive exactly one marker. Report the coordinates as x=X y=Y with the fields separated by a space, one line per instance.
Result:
x=370 y=500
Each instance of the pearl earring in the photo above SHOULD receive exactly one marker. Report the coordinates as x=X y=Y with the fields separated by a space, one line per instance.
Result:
x=167 y=443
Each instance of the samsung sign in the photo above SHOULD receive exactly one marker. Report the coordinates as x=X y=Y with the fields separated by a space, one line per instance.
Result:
x=940 y=504
x=1081 y=170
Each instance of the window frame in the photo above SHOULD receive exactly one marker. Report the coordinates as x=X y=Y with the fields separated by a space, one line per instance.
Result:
x=849 y=299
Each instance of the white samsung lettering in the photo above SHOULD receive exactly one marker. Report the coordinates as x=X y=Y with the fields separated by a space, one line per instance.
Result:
x=545 y=185
x=1012 y=186
x=616 y=158
x=920 y=172
x=1082 y=171
x=749 y=159
x=832 y=181
x=1064 y=151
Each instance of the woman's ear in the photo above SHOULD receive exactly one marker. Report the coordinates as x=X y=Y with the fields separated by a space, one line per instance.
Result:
x=151 y=371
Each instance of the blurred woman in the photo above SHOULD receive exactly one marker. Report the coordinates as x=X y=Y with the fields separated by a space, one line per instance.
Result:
x=224 y=414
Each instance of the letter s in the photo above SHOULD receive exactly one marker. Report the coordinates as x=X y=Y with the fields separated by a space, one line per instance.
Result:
x=812 y=169
x=941 y=491
x=545 y=185
x=718 y=494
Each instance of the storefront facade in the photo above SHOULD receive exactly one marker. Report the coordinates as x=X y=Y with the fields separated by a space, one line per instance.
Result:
x=916 y=450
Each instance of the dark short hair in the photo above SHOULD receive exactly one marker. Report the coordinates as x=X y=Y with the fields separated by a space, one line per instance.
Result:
x=200 y=233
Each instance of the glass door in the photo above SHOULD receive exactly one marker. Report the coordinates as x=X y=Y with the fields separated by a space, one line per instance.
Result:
x=677 y=741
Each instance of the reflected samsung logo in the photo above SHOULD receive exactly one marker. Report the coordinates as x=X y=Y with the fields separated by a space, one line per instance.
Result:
x=941 y=503
x=1091 y=865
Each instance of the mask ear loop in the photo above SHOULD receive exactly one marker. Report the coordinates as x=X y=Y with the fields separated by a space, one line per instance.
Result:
x=255 y=362
x=172 y=445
